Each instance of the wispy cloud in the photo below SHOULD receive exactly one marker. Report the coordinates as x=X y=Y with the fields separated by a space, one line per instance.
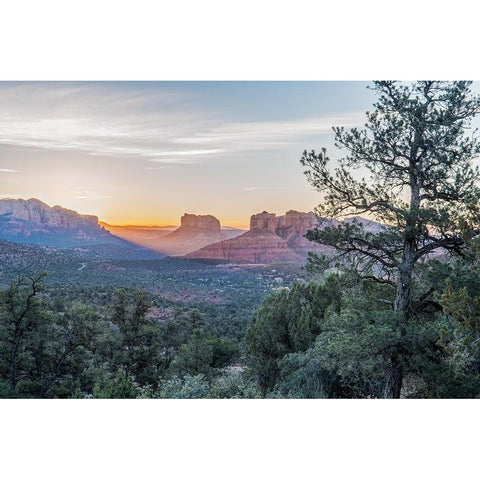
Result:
x=8 y=170
x=99 y=119
x=268 y=134
x=162 y=167
x=151 y=125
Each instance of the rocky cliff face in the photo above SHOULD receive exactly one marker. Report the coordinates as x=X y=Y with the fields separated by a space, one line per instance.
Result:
x=195 y=232
x=264 y=221
x=207 y=223
x=270 y=239
x=39 y=213
x=32 y=221
x=291 y=223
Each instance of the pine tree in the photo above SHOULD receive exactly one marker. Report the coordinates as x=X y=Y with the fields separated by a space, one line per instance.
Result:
x=417 y=152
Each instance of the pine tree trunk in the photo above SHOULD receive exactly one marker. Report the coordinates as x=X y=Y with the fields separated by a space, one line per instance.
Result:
x=393 y=386
x=12 y=370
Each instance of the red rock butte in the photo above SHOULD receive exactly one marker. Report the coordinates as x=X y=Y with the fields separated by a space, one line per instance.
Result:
x=195 y=232
x=200 y=222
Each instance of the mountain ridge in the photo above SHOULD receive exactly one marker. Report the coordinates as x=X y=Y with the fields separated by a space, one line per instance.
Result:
x=270 y=238
x=33 y=222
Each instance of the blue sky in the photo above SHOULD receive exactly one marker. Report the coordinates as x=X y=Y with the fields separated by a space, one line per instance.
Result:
x=146 y=152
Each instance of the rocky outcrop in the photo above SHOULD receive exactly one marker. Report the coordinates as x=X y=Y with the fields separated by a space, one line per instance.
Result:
x=200 y=222
x=32 y=221
x=254 y=246
x=270 y=239
x=264 y=221
x=39 y=213
x=195 y=232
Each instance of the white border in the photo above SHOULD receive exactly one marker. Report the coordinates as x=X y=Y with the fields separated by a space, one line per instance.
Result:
x=234 y=439
x=248 y=40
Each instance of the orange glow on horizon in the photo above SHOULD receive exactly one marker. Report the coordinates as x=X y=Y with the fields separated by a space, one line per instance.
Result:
x=161 y=224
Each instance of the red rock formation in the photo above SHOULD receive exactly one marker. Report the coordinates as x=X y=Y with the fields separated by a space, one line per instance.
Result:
x=254 y=246
x=195 y=231
x=270 y=239
x=264 y=221
x=200 y=222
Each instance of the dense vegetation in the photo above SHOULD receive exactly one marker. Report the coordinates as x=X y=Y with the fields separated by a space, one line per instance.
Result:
x=123 y=329
x=116 y=352
x=333 y=339
x=325 y=338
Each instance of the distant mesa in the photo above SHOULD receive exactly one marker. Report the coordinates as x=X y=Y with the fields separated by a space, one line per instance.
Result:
x=34 y=222
x=195 y=232
x=270 y=239
x=200 y=222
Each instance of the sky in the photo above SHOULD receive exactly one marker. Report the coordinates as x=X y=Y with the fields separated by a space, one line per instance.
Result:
x=145 y=153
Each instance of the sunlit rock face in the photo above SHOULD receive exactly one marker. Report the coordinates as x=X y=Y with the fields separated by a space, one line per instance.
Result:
x=270 y=239
x=264 y=221
x=207 y=223
x=32 y=221
x=291 y=223
x=195 y=232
